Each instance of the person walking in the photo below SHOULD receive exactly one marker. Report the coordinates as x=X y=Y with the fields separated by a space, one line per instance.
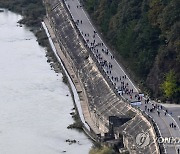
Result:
x=172 y=125
x=178 y=151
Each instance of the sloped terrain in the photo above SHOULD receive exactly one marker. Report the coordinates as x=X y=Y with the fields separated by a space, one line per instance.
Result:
x=145 y=34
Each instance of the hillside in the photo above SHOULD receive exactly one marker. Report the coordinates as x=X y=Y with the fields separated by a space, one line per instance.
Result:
x=144 y=35
x=32 y=10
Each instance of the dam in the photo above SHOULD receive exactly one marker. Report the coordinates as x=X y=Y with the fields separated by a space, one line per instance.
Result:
x=110 y=118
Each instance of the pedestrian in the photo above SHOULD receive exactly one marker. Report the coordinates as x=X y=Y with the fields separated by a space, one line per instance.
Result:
x=138 y=98
x=178 y=151
x=165 y=113
x=145 y=107
x=172 y=125
x=147 y=100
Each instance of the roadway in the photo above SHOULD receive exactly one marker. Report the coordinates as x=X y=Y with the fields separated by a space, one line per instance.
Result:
x=124 y=86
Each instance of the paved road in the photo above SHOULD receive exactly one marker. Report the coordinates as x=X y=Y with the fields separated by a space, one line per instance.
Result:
x=119 y=78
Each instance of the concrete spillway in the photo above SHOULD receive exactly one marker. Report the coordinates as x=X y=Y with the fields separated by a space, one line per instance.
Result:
x=99 y=100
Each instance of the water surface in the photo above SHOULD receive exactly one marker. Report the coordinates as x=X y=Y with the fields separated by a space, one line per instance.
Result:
x=34 y=108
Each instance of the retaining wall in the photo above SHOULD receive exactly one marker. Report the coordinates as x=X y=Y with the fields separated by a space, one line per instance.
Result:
x=98 y=100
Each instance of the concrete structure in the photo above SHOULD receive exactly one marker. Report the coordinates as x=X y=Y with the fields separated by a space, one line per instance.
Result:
x=153 y=110
x=98 y=99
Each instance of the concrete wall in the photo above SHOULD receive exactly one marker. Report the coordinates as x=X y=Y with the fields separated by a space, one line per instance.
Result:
x=102 y=102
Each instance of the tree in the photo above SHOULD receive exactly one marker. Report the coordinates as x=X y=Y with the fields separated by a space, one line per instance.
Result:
x=169 y=86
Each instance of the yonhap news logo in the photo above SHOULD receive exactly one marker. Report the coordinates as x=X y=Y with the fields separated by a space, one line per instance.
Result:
x=143 y=140
x=168 y=140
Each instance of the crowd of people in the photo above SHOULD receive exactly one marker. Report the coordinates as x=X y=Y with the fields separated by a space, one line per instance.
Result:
x=121 y=82
x=105 y=60
x=101 y=52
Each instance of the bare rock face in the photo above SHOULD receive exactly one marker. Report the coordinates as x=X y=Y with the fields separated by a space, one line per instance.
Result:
x=103 y=102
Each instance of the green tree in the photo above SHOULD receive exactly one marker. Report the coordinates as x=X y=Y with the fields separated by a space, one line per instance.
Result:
x=169 y=86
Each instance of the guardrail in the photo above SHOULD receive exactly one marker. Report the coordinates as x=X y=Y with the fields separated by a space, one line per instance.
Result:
x=156 y=129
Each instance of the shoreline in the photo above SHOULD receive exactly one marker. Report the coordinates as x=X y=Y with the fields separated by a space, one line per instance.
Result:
x=54 y=61
x=47 y=108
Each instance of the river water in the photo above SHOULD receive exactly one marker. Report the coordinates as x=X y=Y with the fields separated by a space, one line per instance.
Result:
x=34 y=108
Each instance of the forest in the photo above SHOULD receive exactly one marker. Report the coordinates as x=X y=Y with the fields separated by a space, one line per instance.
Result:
x=144 y=35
